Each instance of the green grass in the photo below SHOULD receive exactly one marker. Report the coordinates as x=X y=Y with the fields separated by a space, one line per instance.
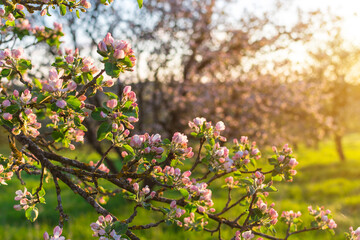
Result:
x=322 y=180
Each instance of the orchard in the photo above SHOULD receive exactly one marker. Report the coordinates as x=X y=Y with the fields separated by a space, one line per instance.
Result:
x=170 y=177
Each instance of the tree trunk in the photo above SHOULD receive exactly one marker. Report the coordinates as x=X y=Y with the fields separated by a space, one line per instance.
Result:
x=339 y=147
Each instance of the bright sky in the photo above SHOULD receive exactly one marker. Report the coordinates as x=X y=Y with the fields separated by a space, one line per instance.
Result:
x=348 y=9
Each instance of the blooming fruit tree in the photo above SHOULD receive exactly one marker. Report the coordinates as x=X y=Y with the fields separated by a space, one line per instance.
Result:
x=43 y=116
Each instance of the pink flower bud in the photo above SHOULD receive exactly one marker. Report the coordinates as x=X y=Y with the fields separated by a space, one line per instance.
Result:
x=16 y=93
x=108 y=40
x=127 y=90
x=173 y=204
x=19 y=7
x=43 y=12
x=186 y=174
x=136 y=187
x=82 y=98
x=102 y=46
x=109 y=83
x=201 y=209
x=11 y=17
x=108 y=218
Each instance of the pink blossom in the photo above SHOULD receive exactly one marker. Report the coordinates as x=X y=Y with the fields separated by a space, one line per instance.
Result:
x=61 y=103
x=136 y=187
x=220 y=126
x=179 y=138
x=6 y=103
x=7 y=116
x=16 y=53
x=119 y=54
x=112 y=103
x=69 y=59
x=25 y=96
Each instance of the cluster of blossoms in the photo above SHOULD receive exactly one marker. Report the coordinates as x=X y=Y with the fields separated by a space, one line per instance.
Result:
x=354 y=234
x=23 y=27
x=116 y=49
x=102 y=166
x=175 y=213
x=179 y=146
x=245 y=152
x=76 y=64
x=202 y=128
x=101 y=229
x=142 y=194
x=16 y=103
x=230 y=183
x=219 y=159
x=9 y=58
x=149 y=144
x=284 y=163
x=5 y=173
x=290 y=216
x=171 y=176
x=245 y=235
x=25 y=198
x=56 y=86
x=57 y=234
x=200 y=195
x=191 y=223
x=322 y=217
x=270 y=212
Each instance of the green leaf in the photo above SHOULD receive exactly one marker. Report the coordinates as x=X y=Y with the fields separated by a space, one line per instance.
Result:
x=78 y=13
x=166 y=141
x=184 y=193
x=57 y=136
x=140 y=2
x=73 y=102
x=24 y=64
x=112 y=69
x=190 y=208
x=5 y=72
x=112 y=95
x=103 y=131
x=120 y=228
x=41 y=192
x=12 y=109
x=129 y=149
x=270 y=189
x=62 y=9
x=31 y=213
x=276 y=178
x=96 y=114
